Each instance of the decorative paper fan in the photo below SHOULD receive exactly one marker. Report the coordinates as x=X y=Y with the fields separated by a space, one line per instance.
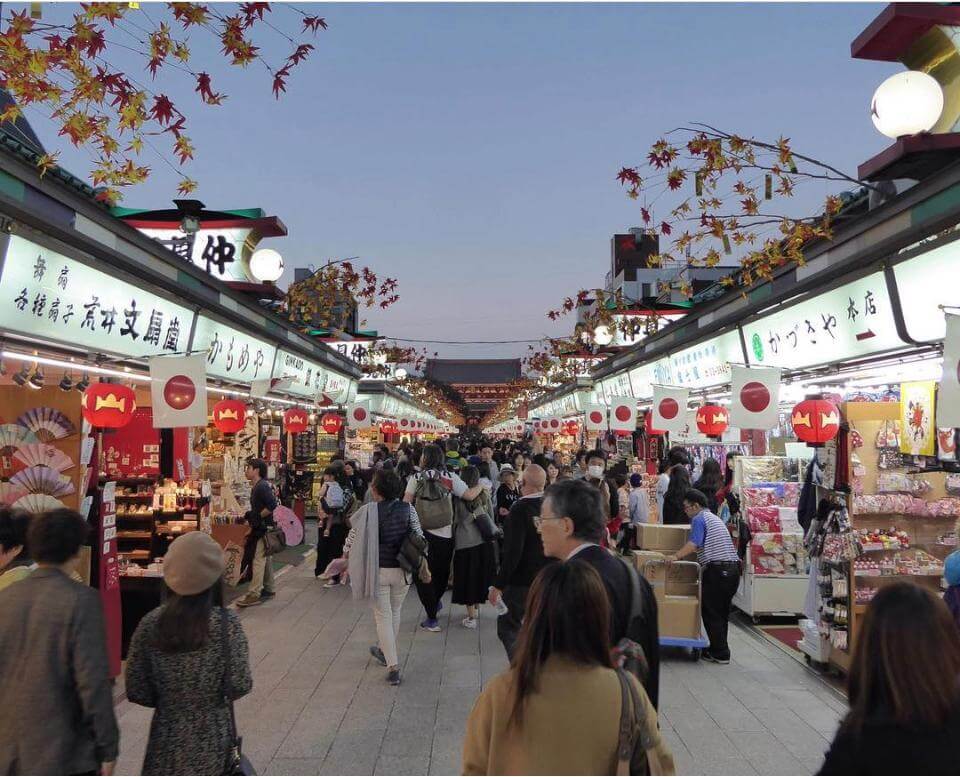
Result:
x=43 y=480
x=47 y=423
x=40 y=454
x=14 y=435
x=10 y=493
x=38 y=503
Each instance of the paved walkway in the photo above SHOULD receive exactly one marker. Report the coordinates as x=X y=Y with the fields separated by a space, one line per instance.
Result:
x=320 y=704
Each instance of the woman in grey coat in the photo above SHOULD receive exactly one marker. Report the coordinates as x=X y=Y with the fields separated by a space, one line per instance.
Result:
x=177 y=663
x=474 y=559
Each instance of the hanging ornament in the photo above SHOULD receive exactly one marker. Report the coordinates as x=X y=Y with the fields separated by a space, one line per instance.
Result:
x=229 y=415
x=331 y=423
x=712 y=420
x=295 y=420
x=388 y=427
x=815 y=421
x=108 y=405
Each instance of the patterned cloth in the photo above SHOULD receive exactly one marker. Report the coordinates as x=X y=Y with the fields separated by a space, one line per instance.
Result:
x=190 y=731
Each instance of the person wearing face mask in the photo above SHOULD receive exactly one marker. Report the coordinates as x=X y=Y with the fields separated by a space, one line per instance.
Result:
x=596 y=469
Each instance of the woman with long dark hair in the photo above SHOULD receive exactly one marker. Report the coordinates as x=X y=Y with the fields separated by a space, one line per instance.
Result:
x=474 y=558
x=904 y=689
x=673 y=512
x=710 y=483
x=522 y=721
x=184 y=657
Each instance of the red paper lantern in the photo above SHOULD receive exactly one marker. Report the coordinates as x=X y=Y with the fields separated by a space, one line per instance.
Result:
x=571 y=428
x=713 y=420
x=295 y=420
x=815 y=421
x=108 y=405
x=388 y=427
x=229 y=415
x=331 y=423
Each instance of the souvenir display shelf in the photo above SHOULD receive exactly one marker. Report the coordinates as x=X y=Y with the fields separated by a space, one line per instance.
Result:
x=904 y=516
x=775 y=568
x=360 y=444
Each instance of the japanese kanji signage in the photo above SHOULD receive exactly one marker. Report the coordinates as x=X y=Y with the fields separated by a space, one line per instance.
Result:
x=48 y=295
x=852 y=320
x=219 y=252
x=358 y=350
x=231 y=354
x=704 y=364
x=307 y=378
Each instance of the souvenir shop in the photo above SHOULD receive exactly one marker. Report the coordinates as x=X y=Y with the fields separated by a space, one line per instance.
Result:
x=89 y=303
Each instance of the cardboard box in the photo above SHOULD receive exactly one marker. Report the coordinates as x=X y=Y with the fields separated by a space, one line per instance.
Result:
x=641 y=557
x=666 y=539
x=679 y=616
x=677 y=579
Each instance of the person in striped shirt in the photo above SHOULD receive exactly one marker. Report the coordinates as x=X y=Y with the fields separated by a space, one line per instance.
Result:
x=710 y=539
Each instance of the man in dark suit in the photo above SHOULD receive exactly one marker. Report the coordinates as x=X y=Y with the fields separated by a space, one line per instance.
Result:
x=571 y=525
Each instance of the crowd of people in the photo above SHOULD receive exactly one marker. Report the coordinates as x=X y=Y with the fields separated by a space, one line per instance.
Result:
x=529 y=533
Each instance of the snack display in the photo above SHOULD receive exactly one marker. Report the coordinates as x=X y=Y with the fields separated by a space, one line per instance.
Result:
x=884 y=539
x=778 y=554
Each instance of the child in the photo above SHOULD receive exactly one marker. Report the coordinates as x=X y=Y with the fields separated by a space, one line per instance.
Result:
x=951 y=572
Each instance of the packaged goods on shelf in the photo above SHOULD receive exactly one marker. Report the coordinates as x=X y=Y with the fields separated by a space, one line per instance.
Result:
x=778 y=554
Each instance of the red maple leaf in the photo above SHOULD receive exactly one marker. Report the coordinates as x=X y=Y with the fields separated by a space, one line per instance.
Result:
x=251 y=10
x=628 y=175
x=279 y=80
x=665 y=228
x=645 y=215
x=314 y=23
x=162 y=110
x=300 y=54
x=154 y=65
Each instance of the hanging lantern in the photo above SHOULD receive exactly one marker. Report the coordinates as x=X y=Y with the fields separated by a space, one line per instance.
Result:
x=713 y=420
x=229 y=415
x=108 y=405
x=331 y=423
x=388 y=427
x=295 y=420
x=571 y=428
x=815 y=421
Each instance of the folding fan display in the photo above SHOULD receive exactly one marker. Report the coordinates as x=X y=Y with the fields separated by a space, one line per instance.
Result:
x=10 y=493
x=43 y=480
x=40 y=454
x=14 y=435
x=47 y=423
x=38 y=503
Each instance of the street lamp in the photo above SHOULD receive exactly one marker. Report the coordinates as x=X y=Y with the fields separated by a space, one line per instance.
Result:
x=266 y=265
x=602 y=335
x=906 y=104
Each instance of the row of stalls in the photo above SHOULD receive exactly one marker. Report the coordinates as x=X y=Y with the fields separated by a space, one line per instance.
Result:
x=855 y=342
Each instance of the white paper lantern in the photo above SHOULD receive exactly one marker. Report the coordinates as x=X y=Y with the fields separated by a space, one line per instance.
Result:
x=602 y=335
x=266 y=265
x=906 y=103
x=400 y=373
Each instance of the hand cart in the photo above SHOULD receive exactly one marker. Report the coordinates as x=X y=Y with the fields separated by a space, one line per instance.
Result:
x=674 y=603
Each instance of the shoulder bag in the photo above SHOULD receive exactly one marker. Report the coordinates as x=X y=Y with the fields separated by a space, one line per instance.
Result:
x=637 y=751
x=274 y=541
x=236 y=763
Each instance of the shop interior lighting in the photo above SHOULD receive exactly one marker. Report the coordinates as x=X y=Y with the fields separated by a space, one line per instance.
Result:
x=83 y=384
x=3 y=367
x=36 y=380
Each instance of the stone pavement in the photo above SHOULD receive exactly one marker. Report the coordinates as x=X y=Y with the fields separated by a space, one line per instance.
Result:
x=320 y=704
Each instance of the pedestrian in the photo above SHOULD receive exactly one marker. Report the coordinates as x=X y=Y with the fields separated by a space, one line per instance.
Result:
x=553 y=472
x=638 y=510
x=904 y=696
x=357 y=484
x=676 y=455
x=260 y=517
x=728 y=503
x=580 y=470
x=559 y=708
x=673 y=512
x=332 y=522
x=571 y=526
x=378 y=532
x=483 y=468
x=521 y=558
x=507 y=493
x=189 y=660
x=951 y=574
x=430 y=491
x=596 y=476
x=15 y=561
x=710 y=483
x=56 y=713
x=474 y=559
x=487 y=456
x=518 y=462
x=718 y=558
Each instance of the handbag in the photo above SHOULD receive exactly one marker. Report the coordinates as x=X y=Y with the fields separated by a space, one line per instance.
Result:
x=274 y=541
x=236 y=763
x=637 y=751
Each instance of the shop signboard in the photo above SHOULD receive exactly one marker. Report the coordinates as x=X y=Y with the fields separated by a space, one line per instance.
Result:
x=924 y=283
x=641 y=381
x=307 y=378
x=704 y=364
x=357 y=350
x=231 y=354
x=50 y=296
x=219 y=252
x=853 y=320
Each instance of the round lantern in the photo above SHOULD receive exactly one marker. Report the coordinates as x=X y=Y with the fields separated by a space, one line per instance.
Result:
x=906 y=103
x=108 y=405
x=388 y=427
x=571 y=428
x=295 y=420
x=331 y=423
x=815 y=421
x=229 y=415
x=713 y=420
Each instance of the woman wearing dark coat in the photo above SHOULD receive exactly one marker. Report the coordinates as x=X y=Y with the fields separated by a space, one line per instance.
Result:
x=177 y=661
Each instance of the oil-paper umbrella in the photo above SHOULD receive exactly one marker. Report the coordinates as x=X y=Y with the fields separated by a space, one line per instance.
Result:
x=292 y=528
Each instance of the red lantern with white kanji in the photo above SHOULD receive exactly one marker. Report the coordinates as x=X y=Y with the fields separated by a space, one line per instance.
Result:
x=713 y=420
x=815 y=421
x=331 y=423
x=108 y=405
x=229 y=415
x=295 y=420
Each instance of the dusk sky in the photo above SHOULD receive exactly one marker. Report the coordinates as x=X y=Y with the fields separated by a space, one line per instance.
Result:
x=470 y=150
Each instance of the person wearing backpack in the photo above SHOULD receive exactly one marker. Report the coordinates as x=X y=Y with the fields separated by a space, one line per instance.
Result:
x=474 y=558
x=571 y=525
x=431 y=492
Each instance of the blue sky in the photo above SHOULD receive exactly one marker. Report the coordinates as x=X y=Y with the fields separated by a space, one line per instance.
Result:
x=470 y=150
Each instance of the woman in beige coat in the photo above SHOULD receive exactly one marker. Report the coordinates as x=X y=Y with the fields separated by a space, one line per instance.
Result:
x=558 y=708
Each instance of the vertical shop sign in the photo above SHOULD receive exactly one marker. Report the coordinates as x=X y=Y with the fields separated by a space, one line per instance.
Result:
x=109 y=582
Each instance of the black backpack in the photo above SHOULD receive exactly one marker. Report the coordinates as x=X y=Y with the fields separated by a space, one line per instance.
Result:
x=628 y=653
